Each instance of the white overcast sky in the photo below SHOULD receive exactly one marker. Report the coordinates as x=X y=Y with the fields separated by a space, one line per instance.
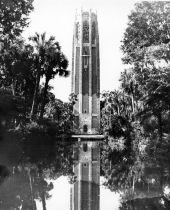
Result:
x=56 y=17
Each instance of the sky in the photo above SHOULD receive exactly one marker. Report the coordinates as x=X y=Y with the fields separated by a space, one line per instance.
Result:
x=56 y=17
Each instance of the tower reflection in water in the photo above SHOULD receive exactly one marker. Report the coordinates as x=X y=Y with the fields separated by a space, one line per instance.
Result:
x=85 y=192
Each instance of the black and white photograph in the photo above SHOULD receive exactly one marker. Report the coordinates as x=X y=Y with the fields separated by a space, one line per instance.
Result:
x=84 y=105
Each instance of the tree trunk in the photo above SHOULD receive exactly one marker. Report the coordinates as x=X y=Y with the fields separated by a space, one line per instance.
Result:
x=34 y=102
x=13 y=87
x=160 y=131
x=133 y=105
x=133 y=183
x=44 y=97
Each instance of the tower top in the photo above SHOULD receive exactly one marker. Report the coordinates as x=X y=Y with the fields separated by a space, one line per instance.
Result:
x=86 y=72
x=84 y=10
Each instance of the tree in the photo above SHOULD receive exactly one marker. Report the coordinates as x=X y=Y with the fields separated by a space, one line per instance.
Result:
x=9 y=60
x=148 y=26
x=17 y=80
x=116 y=113
x=13 y=17
x=118 y=155
x=146 y=49
x=55 y=63
x=156 y=101
x=16 y=65
x=49 y=61
x=130 y=87
x=135 y=119
x=61 y=114
x=39 y=60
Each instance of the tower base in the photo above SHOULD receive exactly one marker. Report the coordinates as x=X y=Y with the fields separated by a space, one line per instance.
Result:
x=86 y=137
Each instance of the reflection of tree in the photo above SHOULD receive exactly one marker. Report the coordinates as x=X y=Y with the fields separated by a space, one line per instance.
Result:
x=157 y=203
x=148 y=191
x=22 y=187
x=51 y=159
x=40 y=159
x=15 y=192
x=41 y=188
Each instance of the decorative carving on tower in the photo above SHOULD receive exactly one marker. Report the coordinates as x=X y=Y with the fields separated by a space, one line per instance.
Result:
x=93 y=32
x=86 y=73
x=77 y=31
x=85 y=31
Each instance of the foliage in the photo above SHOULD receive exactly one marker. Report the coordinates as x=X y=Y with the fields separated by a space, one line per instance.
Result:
x=32 y=150
x=13 y=17
x=148 y=26
x=155 y=203
x=49 y=62
x=135 y=119
x=32 y=155
x=61 y=114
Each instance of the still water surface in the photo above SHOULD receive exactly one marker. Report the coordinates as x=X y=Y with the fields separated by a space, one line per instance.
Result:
x=71 y=176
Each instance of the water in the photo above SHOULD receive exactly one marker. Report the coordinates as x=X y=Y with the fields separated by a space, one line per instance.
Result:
x=44 y=174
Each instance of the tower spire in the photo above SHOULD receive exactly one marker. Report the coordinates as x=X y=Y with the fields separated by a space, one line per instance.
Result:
x=86 y=73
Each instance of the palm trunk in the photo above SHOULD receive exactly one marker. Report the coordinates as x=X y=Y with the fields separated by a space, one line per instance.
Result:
x=34 y=102
x=133 y=105
x=13 y=87
x=44 y=97
x=160 y=127
x=160 y=131
x=133 y=184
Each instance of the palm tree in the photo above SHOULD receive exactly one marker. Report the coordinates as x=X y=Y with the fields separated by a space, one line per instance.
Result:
x=130 y=87
x=39 y=42
x=49 y=61
x=55 y=63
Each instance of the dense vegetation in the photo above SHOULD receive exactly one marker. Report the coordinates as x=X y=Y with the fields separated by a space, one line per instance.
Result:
x=32 y=121
x=136 y=118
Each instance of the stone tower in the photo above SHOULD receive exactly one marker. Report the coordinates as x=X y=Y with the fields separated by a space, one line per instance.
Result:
x=86 y=73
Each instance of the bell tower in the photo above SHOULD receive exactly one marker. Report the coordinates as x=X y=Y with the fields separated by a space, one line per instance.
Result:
x=86 y=73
